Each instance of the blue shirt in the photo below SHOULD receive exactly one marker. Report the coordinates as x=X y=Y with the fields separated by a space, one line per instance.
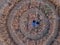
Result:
x=34 y=23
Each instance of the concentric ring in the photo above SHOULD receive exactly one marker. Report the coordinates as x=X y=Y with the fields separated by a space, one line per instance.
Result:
x=47 y=15
x=22 y=24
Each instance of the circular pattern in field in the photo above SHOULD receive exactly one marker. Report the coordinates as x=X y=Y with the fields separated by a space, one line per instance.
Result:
x=20 y=18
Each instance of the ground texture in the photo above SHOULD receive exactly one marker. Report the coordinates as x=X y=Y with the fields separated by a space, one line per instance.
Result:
x=16 y=27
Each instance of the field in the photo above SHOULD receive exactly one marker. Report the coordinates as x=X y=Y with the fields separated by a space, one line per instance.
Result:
x=29 y=22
